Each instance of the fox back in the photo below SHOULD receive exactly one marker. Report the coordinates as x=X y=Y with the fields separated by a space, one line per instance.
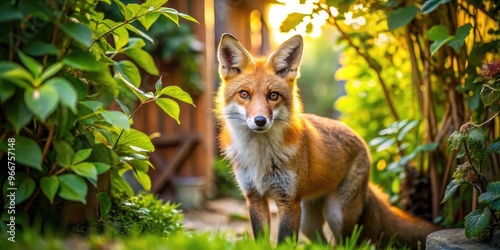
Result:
x=316 y=169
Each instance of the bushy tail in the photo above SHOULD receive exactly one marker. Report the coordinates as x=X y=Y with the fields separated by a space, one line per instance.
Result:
x=382 y=221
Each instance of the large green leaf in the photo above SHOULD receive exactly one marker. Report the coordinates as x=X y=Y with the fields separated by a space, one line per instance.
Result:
x=79 y=32
x=489 y=95
x=87 y=170
x=10 y=12
x=450 y=190
x=31 y=64
x=401 y=17
x=435 y=46
x=477 y=222
x=39 y=48
x=139 y=93
x=148 y=19
x=136 y=138
x=67 y=94
x=120 y=185
x=28 y=153
x=170 y=107
x=129 y=71
x=51 y=70
x=127 y=13
x=81 y=155
x=25 y=190
x=492 y=196
x=437 y=32
x=143 y=179
x=291 y=21
x=139 y=32
x=8 y=90
x=116 y=118
x=459 y=38
x=143 y=59
x=105 y=155
x=101 y=167
x=49 y=186
x=120 y=36
x=83 y=60
x=17 y=113
x=177 y=93
x=42 y=101
x=73 y=188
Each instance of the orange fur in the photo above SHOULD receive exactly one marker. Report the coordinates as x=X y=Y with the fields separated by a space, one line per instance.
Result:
x=316 y=169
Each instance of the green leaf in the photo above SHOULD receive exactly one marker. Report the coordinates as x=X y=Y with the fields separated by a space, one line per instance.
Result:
x=129 y=71
x=42 y=101
x=49 y=186
x=149 y=19
x=188 y=17
x=81 y=155
x=139 y=165
x=177 y=93
x=9 y=12
x=171 y=14
x=28 y=153
x=401 y=17
x=143 y=59
x=31 y=64
x=116 y=118
x=79 y=32
x=494 y=187
x=143 y=179
x=458 y=40
x=477 y=222
x=104 y=204
x=67 y=94
x=158 y=86
x=291 y=22
x=120 y=36
x=377 y=141
x=51 y=70
x=407 y=128
x=170 y=107
x=39 y=48
x=16 y=74
x=17 y=113
x=438 y=32
x=73 y=188
x=64 y=153
x=385 y=145
x=494 y=146
x=25 y=190
x=133 y=137
x=430 y=5
x=435 y=46
x=450 y=190
x=82 y=60
x=101 y=167
x=87 y=170
x=455 y=140
x=93 y=105
x=489 y=95
x=492 y=196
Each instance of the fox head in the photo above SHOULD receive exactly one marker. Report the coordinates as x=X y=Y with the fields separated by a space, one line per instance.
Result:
x=258 y=92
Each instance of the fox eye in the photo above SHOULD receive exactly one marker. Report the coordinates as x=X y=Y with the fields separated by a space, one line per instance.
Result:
x=273 y=96
x=244 y=94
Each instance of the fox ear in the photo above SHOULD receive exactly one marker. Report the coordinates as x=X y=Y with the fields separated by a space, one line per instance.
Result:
x=232 y=56
x=286 y=59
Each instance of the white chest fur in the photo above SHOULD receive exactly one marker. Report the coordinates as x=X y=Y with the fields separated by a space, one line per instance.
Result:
x=262 y=160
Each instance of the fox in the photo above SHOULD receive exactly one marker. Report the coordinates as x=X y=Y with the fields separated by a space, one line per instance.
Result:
x=316 y=169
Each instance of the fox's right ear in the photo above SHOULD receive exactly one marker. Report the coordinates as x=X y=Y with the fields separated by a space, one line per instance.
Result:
x=232 y=56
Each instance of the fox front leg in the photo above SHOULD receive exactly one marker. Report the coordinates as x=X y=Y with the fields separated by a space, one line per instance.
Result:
x=258 y=207
x=289 y=213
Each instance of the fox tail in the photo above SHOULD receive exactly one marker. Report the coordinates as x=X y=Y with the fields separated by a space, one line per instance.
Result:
x=381 y=221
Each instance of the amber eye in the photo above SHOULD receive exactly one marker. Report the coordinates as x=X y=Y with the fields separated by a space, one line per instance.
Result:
x=273 y=96
x=244 y=94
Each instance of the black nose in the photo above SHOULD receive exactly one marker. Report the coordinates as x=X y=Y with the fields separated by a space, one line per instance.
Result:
x=260 y=121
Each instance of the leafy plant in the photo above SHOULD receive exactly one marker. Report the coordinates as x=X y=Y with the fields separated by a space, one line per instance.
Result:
x=473 y=146
x=143 y=214
x=62 y=88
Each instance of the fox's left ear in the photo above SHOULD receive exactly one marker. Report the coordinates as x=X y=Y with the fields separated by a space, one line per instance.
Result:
x=286 y=59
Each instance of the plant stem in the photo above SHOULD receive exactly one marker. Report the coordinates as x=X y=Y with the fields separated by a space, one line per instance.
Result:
x=130 y=117
x=48 y=142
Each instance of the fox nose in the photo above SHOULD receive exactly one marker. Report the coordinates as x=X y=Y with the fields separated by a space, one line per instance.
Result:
x=260 y=121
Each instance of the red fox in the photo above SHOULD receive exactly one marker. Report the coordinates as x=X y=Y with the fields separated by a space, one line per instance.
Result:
x=314 y=168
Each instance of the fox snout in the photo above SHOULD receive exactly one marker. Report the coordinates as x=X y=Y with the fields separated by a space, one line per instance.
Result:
x=259 y=123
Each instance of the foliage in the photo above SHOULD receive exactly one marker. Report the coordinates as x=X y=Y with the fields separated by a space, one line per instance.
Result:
x=61 y=88
x=224 y=179
x=474 y=147
x=416 y=60
x=181 y=240
x=143 y=214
